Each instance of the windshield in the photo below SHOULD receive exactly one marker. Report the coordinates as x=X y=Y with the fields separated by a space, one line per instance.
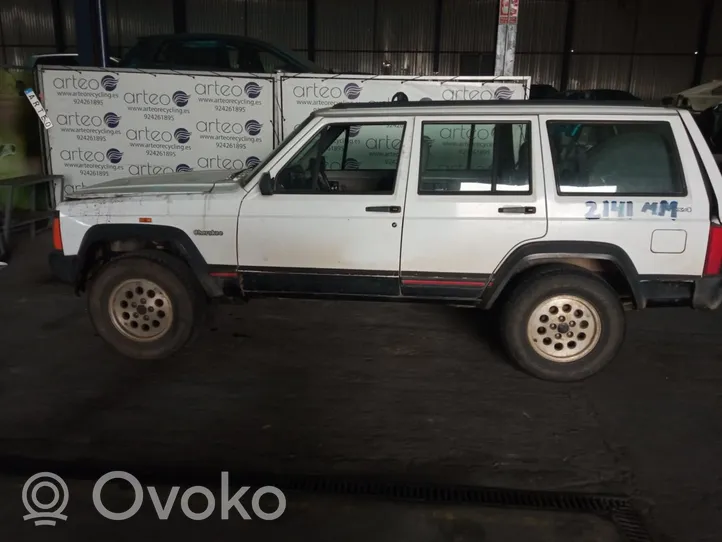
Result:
x=244 y=176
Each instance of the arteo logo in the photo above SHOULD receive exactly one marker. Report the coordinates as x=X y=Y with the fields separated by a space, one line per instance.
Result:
x=114 y=155
x=467 y=93
x=180 y=98
x=352 y=91
x=182 y=135
x=111 y=120
x=183 y=168
x=253 y=127
x=252 y=161
x=216 y=89
x=218 y=126
x=76 y=120
x=75 y=82
x=223 y=90
x=91 y=156
x=151 y=169
x=220 y=162
x=253 y=89
x=503 y=93
x=109 y=83
x=461 y=135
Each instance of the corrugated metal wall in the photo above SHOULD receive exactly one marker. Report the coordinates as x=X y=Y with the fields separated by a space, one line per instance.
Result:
x=26 y=28
x=540 y=40
x=467 y=26
x=131 y=19
x=646 y=46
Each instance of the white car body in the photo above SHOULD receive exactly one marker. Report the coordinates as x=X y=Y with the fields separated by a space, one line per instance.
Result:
x=439 y=232
x=537 y=213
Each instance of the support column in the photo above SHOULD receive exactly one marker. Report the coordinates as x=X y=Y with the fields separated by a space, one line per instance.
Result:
x=703 y=37
x=568 y=42
x=180 y=17
x=506 y=37
x=437 y=37
x=91 y=32
x=58 y=26
x=311 y=29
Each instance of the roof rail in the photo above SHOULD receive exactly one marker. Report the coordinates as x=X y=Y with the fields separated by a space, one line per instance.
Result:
x=487 y=103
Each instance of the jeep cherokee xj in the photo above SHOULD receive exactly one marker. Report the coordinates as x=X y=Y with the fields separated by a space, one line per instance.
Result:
x=562 y=216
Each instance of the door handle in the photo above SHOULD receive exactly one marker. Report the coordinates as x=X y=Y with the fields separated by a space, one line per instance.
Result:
x=518 y=210
x=384 y=209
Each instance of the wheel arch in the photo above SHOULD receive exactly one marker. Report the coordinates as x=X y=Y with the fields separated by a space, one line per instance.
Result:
x=103 y=240
x=576 y=254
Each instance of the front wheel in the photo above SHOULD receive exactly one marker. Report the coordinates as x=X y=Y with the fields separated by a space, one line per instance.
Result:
x=563 y=326
x=143 y=308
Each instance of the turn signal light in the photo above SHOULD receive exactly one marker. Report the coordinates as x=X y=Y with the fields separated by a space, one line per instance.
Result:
x=713 y=262
x=57 y=237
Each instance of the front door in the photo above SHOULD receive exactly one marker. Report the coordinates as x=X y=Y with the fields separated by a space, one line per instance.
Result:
x=476 y=191
x=333 y=224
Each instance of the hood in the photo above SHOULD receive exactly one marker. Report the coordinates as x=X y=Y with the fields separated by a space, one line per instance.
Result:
x=194 y=182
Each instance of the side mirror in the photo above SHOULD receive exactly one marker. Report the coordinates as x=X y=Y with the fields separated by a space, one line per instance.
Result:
x=266 y=184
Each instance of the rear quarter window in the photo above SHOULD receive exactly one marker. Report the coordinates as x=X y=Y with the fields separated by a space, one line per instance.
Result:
x=629 y=158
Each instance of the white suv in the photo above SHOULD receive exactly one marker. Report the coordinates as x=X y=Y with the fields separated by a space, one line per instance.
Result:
x=561 y=215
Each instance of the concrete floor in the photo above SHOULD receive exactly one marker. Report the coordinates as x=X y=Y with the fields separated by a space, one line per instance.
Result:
x=407 y=392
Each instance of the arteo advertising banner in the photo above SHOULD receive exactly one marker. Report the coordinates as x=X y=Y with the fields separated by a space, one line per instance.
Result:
x=112 y=124
x=108 y=125
x=301 y=95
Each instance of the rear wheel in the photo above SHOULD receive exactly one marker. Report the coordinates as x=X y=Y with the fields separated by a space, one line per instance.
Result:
x=563 y=326
x=144 y=308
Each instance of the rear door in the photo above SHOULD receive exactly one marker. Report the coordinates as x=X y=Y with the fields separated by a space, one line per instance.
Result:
x=632 y=181
x=476 y=191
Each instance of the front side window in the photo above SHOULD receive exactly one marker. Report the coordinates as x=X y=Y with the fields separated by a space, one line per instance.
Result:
x=632 y=158
x=488 y=158
x=350 y=158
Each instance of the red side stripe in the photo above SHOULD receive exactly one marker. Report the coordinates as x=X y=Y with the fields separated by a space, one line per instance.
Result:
x=419 y=282
x=224 y=274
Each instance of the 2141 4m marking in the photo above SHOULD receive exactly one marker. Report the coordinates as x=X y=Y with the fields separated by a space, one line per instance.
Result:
x=625 y=209
x=621 y=209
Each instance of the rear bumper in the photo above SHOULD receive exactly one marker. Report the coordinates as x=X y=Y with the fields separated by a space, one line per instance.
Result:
x=707 y=293
x=704 y=293
x=63 y=267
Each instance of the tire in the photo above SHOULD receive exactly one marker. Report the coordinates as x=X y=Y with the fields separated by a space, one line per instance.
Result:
x=537 y=311
x=167 y=291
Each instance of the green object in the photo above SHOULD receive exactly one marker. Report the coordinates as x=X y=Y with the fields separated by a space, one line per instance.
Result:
x=19 y=136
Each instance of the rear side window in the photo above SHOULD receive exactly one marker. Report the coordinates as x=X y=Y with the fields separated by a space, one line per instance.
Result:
x=199 y=54
x=489 y=158
x=56 y=60
x=630 y=158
